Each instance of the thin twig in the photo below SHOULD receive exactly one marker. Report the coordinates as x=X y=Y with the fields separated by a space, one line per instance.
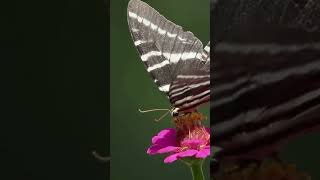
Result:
x=101 y=158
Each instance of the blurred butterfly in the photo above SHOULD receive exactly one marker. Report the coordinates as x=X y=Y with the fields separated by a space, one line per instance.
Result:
x=266 y=74
x=175 y=59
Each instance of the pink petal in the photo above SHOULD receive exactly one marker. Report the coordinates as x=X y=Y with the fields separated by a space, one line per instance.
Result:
x=164 y=141
x=180 y=155
x=188 y=153
x=203 y=153
x=168 y=149
x=171 y=158
x=165 y=137
x=154 y=149
x=166 y=132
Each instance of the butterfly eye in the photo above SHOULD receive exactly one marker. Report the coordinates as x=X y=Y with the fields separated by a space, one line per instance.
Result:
x=175 y=112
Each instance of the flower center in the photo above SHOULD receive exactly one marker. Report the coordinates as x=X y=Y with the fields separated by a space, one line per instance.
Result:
x=191 y=134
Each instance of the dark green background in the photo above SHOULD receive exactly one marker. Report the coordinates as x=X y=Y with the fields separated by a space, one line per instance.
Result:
x=132 y=88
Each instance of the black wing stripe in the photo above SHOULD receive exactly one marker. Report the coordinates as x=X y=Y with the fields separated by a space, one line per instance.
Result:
x=176 y=88
x=191 y=102
x=178 y=97
x=189 y=86
x=189 y=91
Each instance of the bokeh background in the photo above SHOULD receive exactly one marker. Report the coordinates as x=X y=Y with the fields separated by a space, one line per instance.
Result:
x=132 y=88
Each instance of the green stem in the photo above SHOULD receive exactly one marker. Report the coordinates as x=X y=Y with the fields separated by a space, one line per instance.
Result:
x=195 y=166
x=196 y=170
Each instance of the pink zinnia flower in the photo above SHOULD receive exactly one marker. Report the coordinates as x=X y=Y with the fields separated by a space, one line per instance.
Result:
x=187 y=140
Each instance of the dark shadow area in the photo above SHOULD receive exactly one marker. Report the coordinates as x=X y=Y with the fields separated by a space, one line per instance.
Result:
x=54 y=92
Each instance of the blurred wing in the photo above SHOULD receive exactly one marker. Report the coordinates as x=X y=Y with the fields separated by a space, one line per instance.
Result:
x=267 y=73
x=163 y=46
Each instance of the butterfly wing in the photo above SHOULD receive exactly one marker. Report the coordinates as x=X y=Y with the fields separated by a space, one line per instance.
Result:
x=166 y=50
x=148 y=29
x=191 y=87
x=266 y=78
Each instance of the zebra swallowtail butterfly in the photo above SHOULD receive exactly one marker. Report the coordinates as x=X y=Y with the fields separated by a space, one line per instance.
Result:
x=267 y=71
x=174 y=58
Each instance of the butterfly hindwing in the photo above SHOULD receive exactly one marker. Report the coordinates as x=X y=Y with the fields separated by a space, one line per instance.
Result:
x=189 y=91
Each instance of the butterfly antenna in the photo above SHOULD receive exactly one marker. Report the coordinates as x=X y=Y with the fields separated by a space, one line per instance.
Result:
x=152 y=110
x=164 y=115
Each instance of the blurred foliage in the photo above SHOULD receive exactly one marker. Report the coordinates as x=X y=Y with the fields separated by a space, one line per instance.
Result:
x=132 y=88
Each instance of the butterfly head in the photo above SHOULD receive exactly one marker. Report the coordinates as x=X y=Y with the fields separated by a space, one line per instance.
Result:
x=175 y=112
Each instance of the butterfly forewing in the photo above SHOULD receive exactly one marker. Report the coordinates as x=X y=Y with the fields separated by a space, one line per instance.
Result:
x=144 y=33
x=170 y=54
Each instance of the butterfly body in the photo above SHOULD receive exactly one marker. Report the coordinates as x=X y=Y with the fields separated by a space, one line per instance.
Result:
x=174 y=58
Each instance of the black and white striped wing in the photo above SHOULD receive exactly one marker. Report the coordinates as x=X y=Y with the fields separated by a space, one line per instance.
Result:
x=266 y=78
x=191 y=88
x=169 y=53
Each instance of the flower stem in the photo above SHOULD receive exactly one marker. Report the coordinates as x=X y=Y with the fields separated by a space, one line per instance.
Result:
x=196 y=170
x=195 y=166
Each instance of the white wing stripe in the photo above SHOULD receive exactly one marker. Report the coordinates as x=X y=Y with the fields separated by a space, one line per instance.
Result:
x=207 y=48
x=146 y=56
x=138 y=42
x=164 y=88
x=157 y=66
x=133 y=15
x=189 y=55
x=192 y=76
